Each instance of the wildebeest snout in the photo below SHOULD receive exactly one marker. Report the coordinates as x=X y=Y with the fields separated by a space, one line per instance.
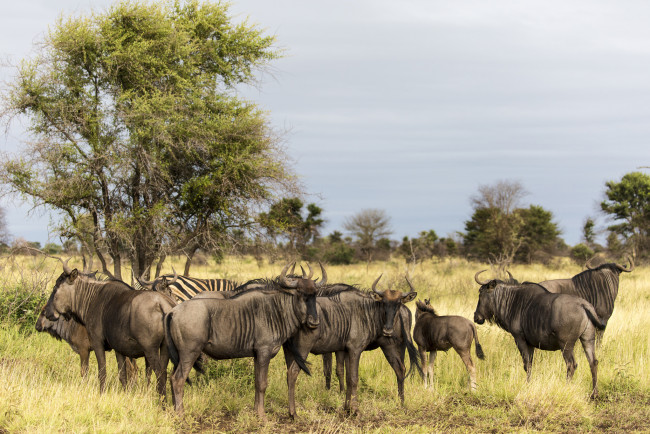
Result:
x=478 y=318
x=387 y=332
x=312 y=322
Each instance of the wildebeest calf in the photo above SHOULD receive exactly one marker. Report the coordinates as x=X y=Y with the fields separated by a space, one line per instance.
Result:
x=537 y=318
x=435 y=333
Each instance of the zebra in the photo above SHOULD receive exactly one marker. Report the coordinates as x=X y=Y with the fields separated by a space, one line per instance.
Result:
x=183 y=288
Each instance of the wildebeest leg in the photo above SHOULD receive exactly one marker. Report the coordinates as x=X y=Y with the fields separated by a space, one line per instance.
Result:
x=340 y=369
x=262 y=360
x=164 y=361
x=527 y=352
x=293 y=370
x=121 y=368
x=352 y=380
x=432 y=361
x=466 y=357
x=131 y=370
x=570 y=361
x=84 y=355
x=178 y=377
x=153 y=356
x=327 y=369
x=392 y=354
x=423 y=359
x=100 y=354
x=590 y=352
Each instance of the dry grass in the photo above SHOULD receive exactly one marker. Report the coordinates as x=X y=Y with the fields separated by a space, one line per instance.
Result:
x=41 y=391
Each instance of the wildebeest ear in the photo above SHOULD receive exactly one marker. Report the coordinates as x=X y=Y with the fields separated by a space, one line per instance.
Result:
x=73 y=275
x=409 y=297
x=377 y=296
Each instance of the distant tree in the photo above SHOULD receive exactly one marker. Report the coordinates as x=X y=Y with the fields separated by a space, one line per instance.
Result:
x=581 y=253
x=421 y=248
x=286 y=218
x=52 y=249
x=538 y=232
x=628 y=201
x=367 y=227
x=589 y=232
x=492 y=234
x=500 y=231
x=336 y=250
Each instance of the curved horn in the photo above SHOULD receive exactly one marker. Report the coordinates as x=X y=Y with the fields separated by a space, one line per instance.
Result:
x=142 y=281
x=293 y=269
x=588 y=263
x=303 y=272
x=374 y=284
x=283 y=281
x=627 y=270
x=66 y=269
x=478 y=281
x=175 y=277
x=510 y=275
x=410 y=284
x=323 y=279
x=311 y=272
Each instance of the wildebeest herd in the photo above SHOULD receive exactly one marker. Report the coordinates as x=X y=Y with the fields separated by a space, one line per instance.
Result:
x=180 y=319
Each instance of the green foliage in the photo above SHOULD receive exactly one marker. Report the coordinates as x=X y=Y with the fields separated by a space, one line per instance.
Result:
x=522 y=233
x=138 y=136
x=628 y=202
x=21 y=306
x=52 y=249
x=285 y=218
x=581 y=253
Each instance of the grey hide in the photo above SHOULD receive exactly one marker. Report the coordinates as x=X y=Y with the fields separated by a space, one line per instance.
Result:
x=537 y=318
x=353 y=321
x=433 y=333
x=253 y=323
x=116 y=318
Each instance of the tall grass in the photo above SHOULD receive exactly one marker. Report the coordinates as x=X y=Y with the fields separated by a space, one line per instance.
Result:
x=41 y=389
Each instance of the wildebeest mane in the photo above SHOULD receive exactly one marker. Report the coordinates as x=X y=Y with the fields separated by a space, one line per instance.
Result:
x=425 y=308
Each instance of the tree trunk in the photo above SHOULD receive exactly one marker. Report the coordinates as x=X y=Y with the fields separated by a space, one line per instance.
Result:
x=188 y=262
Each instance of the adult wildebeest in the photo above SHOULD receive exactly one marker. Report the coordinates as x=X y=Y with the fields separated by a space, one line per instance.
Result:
x=253 y=323
x=70 y=331
x=537 y=318
x=435 y=333
x=599 y=286
x=116 y=317
x=352 y=321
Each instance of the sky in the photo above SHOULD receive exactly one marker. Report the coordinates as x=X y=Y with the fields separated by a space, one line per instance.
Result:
x=410 y=106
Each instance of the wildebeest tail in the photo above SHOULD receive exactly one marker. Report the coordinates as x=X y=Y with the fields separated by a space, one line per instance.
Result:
x=414 y=356
x=479 y=350
x=593 y=316
x=171 y=347
x=302 y=363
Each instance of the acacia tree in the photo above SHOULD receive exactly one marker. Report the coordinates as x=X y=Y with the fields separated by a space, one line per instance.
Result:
x=628 y=202
x=136 y=128
x=285 y=218
x=369 y=227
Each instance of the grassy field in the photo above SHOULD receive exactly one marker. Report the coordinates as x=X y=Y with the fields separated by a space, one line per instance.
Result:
x=41 y=389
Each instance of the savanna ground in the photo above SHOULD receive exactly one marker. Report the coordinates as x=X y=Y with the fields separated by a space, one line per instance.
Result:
x=41 y=389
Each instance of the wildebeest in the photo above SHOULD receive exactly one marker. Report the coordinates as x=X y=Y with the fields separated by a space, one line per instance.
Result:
x=434 y=333
x=352 y=321
x=116 y=317
x=537 y=318
x=71 y=332
x=253 y=323
x=599 y=286
x=183 y=288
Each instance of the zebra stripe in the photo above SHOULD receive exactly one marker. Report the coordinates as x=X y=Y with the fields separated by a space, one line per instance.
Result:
x=186 y=288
